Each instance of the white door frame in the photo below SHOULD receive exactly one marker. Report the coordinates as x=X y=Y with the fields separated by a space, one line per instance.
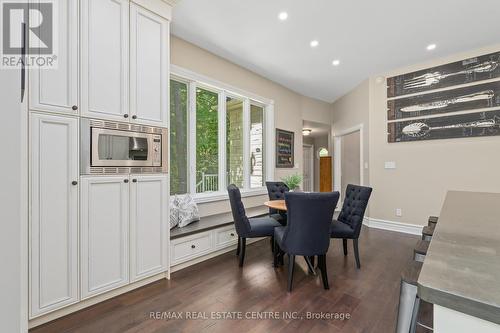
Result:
x=312 y=162
x=337 y=152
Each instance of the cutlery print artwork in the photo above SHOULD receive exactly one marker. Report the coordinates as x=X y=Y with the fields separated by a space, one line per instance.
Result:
x=482 y=95
x=486 y=123
x=470 y=70
x=420 y=129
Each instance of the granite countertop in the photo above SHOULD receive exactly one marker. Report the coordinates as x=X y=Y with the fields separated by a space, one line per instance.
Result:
x=461 y=270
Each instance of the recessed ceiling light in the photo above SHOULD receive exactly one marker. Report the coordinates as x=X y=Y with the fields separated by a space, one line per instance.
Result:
x=431 y=47
x=314 y=43
x=283 y=16
x=336 y=62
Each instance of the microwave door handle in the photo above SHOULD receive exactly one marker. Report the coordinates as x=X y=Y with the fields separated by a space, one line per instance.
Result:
x=23 y=64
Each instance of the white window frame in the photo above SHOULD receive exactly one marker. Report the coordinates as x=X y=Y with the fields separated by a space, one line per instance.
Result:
x=194 y=81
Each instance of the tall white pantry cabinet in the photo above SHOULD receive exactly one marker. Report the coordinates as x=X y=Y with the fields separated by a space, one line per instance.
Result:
x=89 y=235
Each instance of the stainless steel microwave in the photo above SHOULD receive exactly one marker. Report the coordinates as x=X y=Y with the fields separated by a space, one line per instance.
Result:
x=108 y=147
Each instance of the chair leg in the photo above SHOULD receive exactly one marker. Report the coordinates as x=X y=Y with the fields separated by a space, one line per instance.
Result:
x=272 y=244
x=310 y=264
x=312 y=259
x=275 y=253
x=291 y=265
x=242 y=250
x=356 y=252
x=324 y=274
x=238 y=247
x=344 y=242
x=414 y=315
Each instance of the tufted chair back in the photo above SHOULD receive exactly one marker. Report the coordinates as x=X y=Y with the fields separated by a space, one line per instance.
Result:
x=309 y=218
x=353 y=210
x=241 y=222
x=276 y=191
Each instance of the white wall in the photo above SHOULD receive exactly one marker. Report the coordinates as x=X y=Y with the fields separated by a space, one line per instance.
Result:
x=12 y=287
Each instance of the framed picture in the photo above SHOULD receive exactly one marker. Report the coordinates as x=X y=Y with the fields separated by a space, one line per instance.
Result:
x=284 y=149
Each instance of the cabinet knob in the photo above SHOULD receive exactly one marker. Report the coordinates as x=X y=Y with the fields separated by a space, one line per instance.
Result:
x=74 y=182
x=74 y=107
x=192 y=246
x=134 y=180
x=125 y=115
x=125 y=180
x=134 y=117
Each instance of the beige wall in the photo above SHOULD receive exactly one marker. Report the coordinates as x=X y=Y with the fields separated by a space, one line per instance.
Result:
x=425 y=170
x=350 y=111
x=290 y=108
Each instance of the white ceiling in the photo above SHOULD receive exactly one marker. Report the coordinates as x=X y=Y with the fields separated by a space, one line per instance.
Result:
x=368 y=36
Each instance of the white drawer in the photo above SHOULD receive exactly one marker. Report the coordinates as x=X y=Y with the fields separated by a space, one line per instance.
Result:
x=190 y=247
x=225 y=237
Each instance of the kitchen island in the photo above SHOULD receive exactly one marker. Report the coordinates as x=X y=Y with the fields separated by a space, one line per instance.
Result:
x=461 y=271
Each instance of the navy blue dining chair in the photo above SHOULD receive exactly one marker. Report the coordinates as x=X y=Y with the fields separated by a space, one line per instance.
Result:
x=348 y=224
x=276 y=191
x=248 y=227
x=307 y=232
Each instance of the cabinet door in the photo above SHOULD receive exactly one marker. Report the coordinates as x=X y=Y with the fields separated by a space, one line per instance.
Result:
x=149 y=67
x=104 y=58
x=104 y=234
x=56 y=90
x=54 y=212
x=149 y=231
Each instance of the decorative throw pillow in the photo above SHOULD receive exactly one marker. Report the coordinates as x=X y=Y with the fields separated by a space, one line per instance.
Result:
x=174 y=211
x=188 y=211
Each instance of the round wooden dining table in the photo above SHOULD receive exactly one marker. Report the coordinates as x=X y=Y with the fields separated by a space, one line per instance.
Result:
x=276 y=204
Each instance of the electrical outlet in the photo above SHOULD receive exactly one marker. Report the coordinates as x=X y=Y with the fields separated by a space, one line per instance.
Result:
x=399 y=212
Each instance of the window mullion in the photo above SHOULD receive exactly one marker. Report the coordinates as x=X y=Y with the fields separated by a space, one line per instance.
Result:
x=246 y=143
x=222 y=141
x=192 y=137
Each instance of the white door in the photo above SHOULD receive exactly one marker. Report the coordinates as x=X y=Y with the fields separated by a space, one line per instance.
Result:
x=149 y=62
x=104 y=58
x=104 y=226
x=54 y=212
x=149 y=225
x=308 y=160
x=56 y=90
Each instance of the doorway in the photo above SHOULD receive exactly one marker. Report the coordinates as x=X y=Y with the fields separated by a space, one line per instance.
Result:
x=348 y=159
x=308 y=176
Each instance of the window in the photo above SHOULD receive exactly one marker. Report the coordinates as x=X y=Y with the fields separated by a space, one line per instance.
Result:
x=178 y=137
x=323 y=152
x=234 y=141
x=207 y=136
x=217 y=138
x=256 y=146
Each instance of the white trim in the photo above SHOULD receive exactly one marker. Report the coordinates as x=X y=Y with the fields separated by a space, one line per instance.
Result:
x=406 y=228
x=222 y=195
x=217 y=85
x=269 y=142
x=337 y=152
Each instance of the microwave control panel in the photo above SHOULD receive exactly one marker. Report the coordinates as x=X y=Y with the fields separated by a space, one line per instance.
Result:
x=156 y=150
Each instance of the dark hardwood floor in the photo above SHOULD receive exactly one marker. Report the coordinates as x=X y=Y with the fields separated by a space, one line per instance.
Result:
x=370 y=295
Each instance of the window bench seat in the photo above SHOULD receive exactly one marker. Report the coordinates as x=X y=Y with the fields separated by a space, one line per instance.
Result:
x=211 y=236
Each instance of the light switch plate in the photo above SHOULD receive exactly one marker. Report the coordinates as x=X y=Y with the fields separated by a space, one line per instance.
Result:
x=399 y=212
x=390 y=165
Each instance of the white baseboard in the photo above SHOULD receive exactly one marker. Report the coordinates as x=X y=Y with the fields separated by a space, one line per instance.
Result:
x=406 y=228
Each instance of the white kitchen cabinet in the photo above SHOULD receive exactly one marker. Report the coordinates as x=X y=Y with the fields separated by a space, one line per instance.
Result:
x=104 y=232
x=149 y=67
x=56 y=90
x=105 y=59
x=149 y=225
x=54 y=213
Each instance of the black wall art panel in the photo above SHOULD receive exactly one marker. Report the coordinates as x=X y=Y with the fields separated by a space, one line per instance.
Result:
x=486 y=95
x=284 y=148
x=461 y=72
x=457 y=126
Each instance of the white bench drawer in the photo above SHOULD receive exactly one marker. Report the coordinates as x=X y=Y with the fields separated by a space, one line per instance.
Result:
x=225 y=237
x=191 y=247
